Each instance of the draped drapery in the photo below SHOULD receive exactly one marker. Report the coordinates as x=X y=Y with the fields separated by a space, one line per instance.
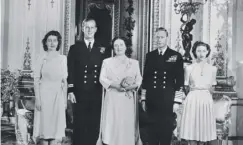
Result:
x=27 y=23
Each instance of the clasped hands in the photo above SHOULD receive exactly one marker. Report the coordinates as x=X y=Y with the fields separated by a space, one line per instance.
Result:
x=126 y=84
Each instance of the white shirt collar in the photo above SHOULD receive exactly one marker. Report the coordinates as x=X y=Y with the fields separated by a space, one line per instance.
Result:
x=87 y=42
x=163 y=51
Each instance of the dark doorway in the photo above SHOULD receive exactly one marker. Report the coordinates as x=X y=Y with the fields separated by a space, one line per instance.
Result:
x=102 y=16
x=103 y=12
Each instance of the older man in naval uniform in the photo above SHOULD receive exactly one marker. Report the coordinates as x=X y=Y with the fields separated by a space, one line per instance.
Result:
x=162 y=89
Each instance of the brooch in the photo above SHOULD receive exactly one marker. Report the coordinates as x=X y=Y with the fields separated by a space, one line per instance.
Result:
x=172 y=59
x=102 y=49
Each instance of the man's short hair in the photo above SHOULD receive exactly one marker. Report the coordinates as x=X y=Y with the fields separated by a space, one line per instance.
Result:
x=88 y=19
x=162 y=29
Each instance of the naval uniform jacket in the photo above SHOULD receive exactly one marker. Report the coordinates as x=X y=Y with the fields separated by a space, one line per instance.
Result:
x=84 y=68
x=83 y=80
x=163 y=75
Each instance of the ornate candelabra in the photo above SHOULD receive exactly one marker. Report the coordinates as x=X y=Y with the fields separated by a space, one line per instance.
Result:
x=187 y=9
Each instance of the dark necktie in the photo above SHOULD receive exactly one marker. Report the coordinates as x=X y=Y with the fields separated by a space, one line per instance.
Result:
x=160 y=53
x=89 y=47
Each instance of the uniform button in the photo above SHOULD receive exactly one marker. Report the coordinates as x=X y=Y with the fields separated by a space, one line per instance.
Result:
x=164 y=82
x=163 y=87
x=95 y=65
x=154 y=86
x=86 y=66
x=165 y=72
x=155 y=82
x=95 y=82
x=95 y=76
x=155 y=77
x=85 y=71
x=164 y=77
x=155 y=72
x=85 y=76
x=95 y=71
x=85 y=82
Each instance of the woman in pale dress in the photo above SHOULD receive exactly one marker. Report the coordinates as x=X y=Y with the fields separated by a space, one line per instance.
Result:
x=198 y=124
x=120 y=76
x=50 y=91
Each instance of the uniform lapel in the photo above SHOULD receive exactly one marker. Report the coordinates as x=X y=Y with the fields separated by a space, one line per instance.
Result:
x=84 y=47
x=94 y=52
x=166 y=54
x=84 y=53
x=162 y=59
x=94 y=48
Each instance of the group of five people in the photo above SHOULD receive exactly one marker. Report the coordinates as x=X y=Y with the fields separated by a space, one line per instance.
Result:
x=104 y=90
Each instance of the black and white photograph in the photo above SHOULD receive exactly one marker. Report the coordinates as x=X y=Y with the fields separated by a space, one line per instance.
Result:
x=121 y=72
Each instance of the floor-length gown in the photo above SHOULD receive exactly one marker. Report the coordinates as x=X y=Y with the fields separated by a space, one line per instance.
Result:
x=119 y=116
x=198 y=118
x=50 y=122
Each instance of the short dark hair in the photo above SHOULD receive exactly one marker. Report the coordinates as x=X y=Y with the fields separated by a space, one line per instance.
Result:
x=53 y=33
x=200 y=43
x=88 y=19
x=128 y=51
x=162 y=29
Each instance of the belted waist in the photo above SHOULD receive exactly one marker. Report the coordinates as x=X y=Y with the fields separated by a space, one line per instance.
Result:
x=195 y=89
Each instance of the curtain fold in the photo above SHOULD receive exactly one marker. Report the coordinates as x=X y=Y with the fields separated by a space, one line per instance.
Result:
x=29 y=21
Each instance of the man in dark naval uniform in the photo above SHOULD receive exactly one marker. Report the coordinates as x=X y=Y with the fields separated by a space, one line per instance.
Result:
x=84 y=90
x=162 y=87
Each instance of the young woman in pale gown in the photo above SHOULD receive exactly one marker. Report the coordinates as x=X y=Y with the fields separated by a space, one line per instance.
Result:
x=198 y=124
x=50 y=91
x=120 y=76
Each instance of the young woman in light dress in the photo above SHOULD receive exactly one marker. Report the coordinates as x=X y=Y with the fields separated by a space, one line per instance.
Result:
x=120 y=76
x=50 y=91
x=198 y=124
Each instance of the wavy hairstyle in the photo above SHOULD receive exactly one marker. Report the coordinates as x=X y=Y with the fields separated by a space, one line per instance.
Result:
x=53 y=33
x=128 y=51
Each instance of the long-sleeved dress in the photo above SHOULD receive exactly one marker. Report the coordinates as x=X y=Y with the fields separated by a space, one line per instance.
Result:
x=198 y=118
x=119 y=118
x=50 y=122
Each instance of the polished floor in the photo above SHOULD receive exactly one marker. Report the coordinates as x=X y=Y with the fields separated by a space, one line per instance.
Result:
x=8 y=134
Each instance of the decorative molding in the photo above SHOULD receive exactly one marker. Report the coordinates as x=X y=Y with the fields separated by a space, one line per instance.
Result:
x=67 y=18
x=101 y=6
x=114 y=12
x=27 y=57
x=209 y=20
x=151 y=8
x=154 y=23
x=170 y=17
x=116 y=19
x=227 y=38
x=143 y=30
x=219 y=58
x=129 y=23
